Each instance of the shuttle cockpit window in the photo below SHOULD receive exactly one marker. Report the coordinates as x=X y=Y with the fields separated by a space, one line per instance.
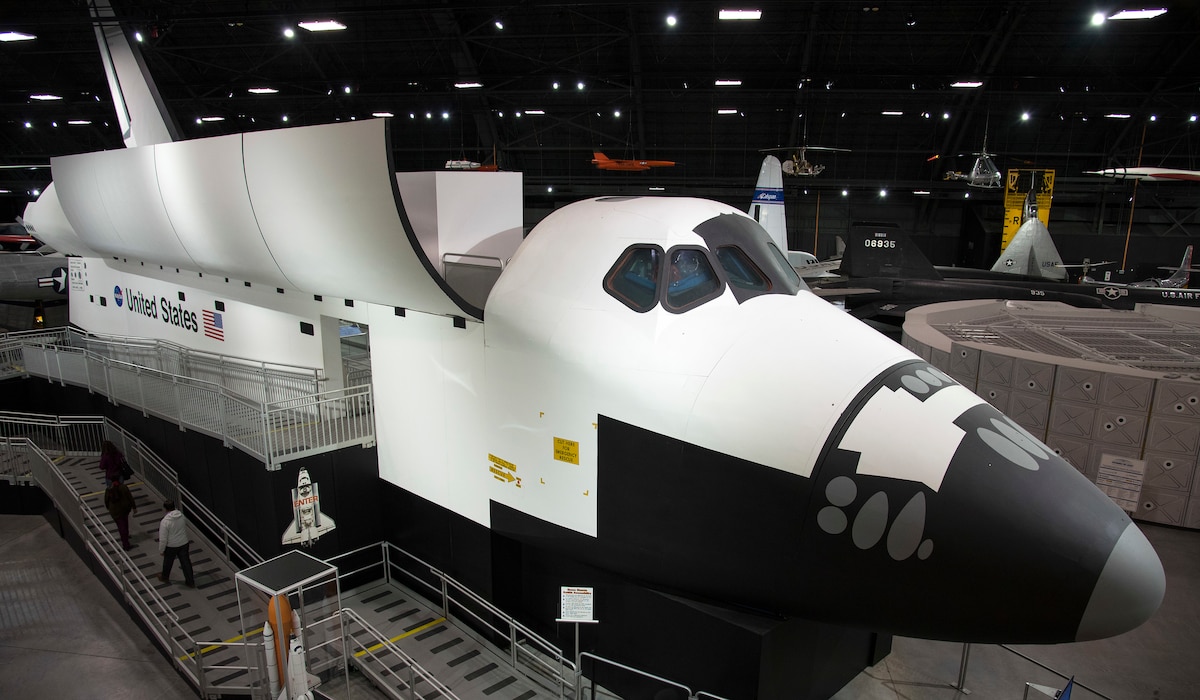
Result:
x=691 y=279
x=633 y=281
x=749 y=260
x=741 y=270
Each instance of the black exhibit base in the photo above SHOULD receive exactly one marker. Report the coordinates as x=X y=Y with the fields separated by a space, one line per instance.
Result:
x=724 y=652
x=721 y=651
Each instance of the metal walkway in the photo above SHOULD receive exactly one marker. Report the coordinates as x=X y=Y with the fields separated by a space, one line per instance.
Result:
x=406 y=645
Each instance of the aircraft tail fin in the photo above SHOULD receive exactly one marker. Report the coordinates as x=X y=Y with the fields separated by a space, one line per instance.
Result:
x=1032 y=252
x=141 y=112
x=598 y=157
x=883 y=250
x=1182 y=276
x=767 y=205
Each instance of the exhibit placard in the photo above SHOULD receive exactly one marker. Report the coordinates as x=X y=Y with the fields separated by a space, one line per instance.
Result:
x=576 y=604
x=1121 y=478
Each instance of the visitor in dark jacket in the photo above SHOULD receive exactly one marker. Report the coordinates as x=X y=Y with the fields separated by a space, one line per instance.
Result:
x=119 y=502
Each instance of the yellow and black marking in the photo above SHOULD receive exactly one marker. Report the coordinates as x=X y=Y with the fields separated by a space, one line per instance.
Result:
x=379 y=645
x=502 y=470
x=222 y=645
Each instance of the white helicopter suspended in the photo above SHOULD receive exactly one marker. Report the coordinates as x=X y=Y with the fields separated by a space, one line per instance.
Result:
x=983 y=173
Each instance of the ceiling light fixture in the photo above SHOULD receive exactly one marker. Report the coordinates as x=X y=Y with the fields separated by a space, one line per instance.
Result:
x=138 y=36
x=17 y=36
x=671 y=21
x=727 y=83
x=79 y=122
x=289 y=32
x=499 y=24
x=535 y=112
x=323 y=25
x=1097 y=19
x=726 y=110
x=579 y=85
x=658 y=189
x=1139 y=14
x=845 y=193
x=967 y=84
x=1116 y=115
x=921 y=193
x=382 y=114
x=44 y=97
x=739 y=14
x=467 y=86
x=262 y=90
x=892 y=113
x=212 y=119
x=1024 y=116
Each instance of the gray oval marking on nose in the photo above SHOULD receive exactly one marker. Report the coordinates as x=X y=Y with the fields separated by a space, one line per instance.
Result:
x=1007 y=449
x=871 y=521
x=907 y=529
x=832 y=520
x=925 y=550
x=914 y=385
x=841 y=491
x=1019 y=436
x=928 y=377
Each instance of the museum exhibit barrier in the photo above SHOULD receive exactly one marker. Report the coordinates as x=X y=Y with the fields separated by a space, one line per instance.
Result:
x=252 y=379
x=272 y=433
x=367 y=648
x=650 y=685
x=263 y=382
x=528 y=653
x=90 y=524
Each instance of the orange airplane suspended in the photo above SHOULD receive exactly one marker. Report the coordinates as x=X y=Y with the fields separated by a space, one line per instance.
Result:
x=603 y=162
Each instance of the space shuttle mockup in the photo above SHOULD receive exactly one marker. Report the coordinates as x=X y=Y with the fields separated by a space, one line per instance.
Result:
x=610 y=401
x=308 y=522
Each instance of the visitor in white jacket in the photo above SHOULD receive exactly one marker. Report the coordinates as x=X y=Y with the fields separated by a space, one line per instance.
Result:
x=173 y=542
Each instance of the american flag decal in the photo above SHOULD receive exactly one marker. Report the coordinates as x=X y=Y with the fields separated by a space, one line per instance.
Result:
x=214 y=327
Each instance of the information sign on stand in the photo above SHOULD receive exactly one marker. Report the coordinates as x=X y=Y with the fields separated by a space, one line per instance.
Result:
x=576 y=605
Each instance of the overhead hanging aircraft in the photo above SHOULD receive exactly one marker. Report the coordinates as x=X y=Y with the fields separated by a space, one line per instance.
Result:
x=1148 y=174
x=798 y=164
x=767 y=208
x=603 y=162
x=983 y=173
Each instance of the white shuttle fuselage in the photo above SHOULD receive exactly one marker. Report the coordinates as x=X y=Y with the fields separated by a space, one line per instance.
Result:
x=618 y=398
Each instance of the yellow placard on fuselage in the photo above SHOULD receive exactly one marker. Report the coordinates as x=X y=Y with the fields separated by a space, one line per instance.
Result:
x=566 y=450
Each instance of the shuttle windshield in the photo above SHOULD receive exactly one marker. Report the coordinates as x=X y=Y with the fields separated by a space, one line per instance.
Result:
x=749 y=259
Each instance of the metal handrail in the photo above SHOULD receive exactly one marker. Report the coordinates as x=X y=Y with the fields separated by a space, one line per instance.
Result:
x=325 y=420
x=692 y=695
x=410 y=662
x=489 y=258
x=443 y=591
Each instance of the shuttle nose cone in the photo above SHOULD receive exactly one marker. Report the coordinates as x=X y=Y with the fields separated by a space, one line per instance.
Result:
x=1129 y=590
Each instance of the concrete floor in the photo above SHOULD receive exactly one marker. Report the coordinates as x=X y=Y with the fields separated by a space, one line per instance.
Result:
x=64 y=636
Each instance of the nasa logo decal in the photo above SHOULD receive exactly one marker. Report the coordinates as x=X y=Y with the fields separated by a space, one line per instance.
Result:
x=118 y=296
